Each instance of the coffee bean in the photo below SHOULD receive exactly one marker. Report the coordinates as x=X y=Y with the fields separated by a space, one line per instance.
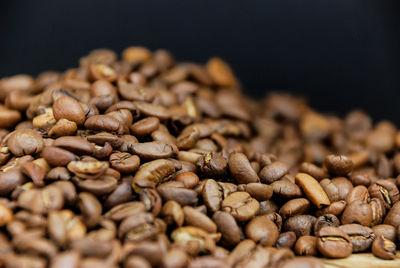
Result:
x=326 y=220
x=68 y=108
x=103 y=123
x=74 y=144
x=286 y=189
x=153 y=150
x=338 y=165
x=306 y=246
x=152 y=173
x=312 y=190
x=25 y=141
x=124 y=162
x=293 y=207
x=259 y=191
x=388 y=231
x=286 y=240
x=361 y=237
x=386 y=191
x=178 y=193
x=241 y=170
x=333 y=242
x=357 y=212
x=189 y=179
x=273 y=172
x=90 y=207
x=241 y=206
x=58 y=157
x=175 y=258
x=262 y=230
x=384 y=248
x=314 y=171
x=393 y=216
x=88 y=169
x=300 y=224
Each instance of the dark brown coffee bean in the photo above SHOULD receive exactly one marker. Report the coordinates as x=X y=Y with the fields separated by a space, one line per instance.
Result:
x=241 y=170
x=68 y=108
x=384 y=248
x=154 y=110
x=388 y=231
x=286 y=240
x=333 y=242
x=358 y=193
x=363 y=176
x=241 y=206
x=273 y=172
x=25 y=141
x=74 y=144
x=312 y=190
x=306 y=246
x=58 y=157
x=145 y=126
x=294 y=207
x=325 y=220
x=104 y=137
x=101 y=186
x=338 y=165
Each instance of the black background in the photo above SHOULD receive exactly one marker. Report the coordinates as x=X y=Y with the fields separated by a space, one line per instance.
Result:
x=341 y=54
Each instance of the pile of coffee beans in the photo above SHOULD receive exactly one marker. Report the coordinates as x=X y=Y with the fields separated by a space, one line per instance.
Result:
x=148 y=162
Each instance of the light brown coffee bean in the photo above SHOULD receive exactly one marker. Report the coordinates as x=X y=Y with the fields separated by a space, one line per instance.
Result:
x=333 y=242
x=241 y=206
x=312 y=190
x=241 y=170
x=384 y=248
x=25 y=141
x=70 y=109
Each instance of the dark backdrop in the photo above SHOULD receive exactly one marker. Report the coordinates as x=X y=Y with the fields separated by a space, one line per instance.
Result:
x=341 y=54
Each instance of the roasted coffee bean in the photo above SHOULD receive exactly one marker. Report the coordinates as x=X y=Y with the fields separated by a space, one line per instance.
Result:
x=103 y=123
x=361 y=237
x=152 y=173
x=325 y=220
x=393 y=216
x=68 y=108
x=388 y=231
x=176 y=191
x=300 y=224
x=262 y=230
x=333 y=242
x=286 y=240
x=385 y=190
x=241 y=206
x=358 y=193
x=357 y=212
x=57 y=156
x=101 y=186
x=343 y=185
x=74 y=144
x=294 y=207
x=384 y=248
x=90 y=208
x=241 y=170
x=312 y=190
x=314 y=171
x=330 y=189
x=306 y=246
x=212 y=165
x=175 y=258
x=88 y=169
x=286 y=189
x=273 y=172
x=153 y=150
x=195 y=218
x=25 y=141
x=338 y=165
x=189 y=179
x=259 y=191
x=194 y=238
x=124 y=162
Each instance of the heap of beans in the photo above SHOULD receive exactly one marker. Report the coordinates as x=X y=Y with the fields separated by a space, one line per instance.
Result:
x=146 y=162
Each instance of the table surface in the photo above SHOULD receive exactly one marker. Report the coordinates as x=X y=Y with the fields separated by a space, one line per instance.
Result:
x=362 y=260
